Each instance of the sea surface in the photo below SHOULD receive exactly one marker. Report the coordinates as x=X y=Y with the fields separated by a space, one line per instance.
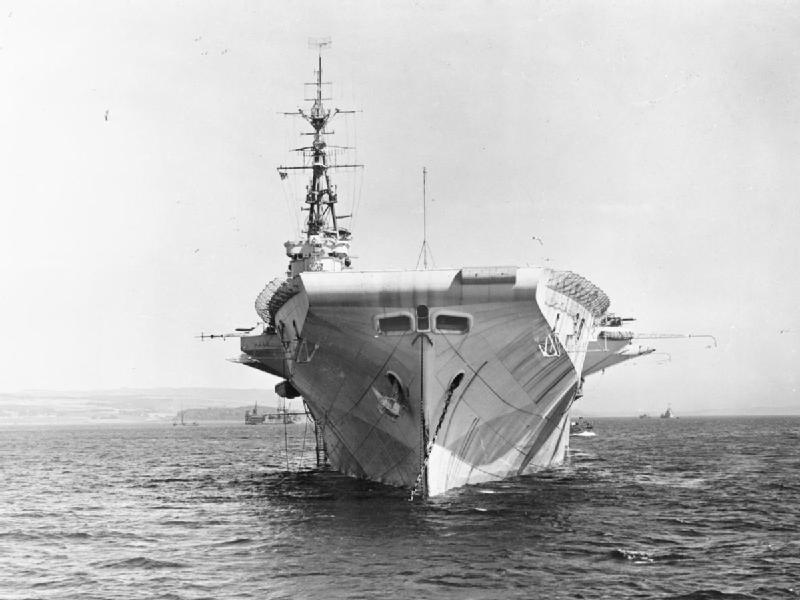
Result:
x=648 y=508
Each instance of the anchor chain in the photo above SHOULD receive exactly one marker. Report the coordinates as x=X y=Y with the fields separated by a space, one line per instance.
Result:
x=453 y=385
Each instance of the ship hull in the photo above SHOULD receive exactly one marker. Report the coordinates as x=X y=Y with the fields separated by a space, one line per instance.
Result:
x=472 y=382
x=428 y=380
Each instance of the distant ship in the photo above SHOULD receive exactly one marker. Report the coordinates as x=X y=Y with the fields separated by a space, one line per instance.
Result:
x=425 y=379
x=183 y=422
x=582 y=427
x=251 y=417
x=667 y=414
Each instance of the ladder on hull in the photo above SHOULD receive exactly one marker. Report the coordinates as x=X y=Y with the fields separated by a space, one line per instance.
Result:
x=321 y=449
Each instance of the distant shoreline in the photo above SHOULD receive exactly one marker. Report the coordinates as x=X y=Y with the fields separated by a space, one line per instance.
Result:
x=154 y=424
x=170 y=422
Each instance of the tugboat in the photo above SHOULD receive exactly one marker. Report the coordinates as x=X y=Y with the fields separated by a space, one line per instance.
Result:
x=424 y=379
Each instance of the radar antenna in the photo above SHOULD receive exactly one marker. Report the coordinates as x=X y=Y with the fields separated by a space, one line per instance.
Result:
x=318 y=43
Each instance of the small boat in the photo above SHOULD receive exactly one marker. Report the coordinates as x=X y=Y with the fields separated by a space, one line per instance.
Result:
x=581 y=428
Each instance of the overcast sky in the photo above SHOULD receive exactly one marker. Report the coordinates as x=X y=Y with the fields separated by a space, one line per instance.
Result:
x=654 y=148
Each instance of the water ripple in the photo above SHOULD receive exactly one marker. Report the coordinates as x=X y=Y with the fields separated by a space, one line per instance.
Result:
x=690 y=509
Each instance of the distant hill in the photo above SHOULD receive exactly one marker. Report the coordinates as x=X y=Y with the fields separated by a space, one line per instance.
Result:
x=134 y=405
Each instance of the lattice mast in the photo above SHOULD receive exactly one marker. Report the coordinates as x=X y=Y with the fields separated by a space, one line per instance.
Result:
x=425 y=250
x=326 y=245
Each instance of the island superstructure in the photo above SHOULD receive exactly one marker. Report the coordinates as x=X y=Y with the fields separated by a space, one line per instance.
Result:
x=426 y=379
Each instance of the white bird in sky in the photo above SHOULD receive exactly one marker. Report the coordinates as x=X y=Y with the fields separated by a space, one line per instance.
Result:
x=538 y=239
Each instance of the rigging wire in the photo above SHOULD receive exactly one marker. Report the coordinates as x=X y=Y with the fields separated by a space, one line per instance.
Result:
x=289 y=183
x=303 y=449
x=357 y=179
x=287 y=196
x=350 y=142
x=285 y=435
x=285 y=427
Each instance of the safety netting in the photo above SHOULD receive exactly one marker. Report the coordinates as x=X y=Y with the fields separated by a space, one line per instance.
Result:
x=581 y=290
